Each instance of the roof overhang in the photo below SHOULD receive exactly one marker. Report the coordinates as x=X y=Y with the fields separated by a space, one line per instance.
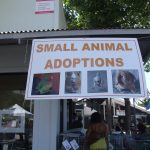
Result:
x=143 y=36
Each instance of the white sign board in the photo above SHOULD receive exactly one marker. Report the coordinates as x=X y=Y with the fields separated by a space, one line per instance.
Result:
x=85 y=67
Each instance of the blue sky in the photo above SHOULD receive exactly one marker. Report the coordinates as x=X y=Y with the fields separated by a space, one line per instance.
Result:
x=147 y=76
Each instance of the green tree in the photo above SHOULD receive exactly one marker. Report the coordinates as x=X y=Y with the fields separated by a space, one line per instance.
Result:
x=96 y=14
x=147 y=65
x=144 y=102
x=107 y=13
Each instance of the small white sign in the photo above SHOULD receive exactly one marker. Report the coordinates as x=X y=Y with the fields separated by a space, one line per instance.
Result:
x=66 y=145
x=74 y=144
x=120 y=112
x=44 y=6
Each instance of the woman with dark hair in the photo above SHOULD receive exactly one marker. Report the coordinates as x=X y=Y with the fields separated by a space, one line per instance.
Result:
x=97 y=134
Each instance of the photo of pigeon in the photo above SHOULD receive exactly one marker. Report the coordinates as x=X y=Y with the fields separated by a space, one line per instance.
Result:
x=97 y=81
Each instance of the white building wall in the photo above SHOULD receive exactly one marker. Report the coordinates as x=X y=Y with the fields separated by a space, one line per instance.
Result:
x=19 y=15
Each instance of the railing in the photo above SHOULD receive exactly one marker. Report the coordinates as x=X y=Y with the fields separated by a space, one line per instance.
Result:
x=118 y=142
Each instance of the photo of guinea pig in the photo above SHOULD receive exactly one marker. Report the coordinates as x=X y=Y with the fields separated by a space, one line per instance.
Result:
x=126 y=81
x=73 y=82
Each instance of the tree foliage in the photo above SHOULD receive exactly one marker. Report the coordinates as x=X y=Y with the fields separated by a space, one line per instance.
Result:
x=147 y=65
x=144 y=102
x=96 y=14
x=107 y=13
x=9 y=98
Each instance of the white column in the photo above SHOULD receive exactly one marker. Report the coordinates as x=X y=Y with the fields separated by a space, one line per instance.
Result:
x=59 y=19
x=46 y=124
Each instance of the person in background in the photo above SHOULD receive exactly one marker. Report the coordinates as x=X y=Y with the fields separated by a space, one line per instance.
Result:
x=97 y=134
x=28 y=133
x=77 y=121
x=118 y=127
x=74 y=119
x=141 y=127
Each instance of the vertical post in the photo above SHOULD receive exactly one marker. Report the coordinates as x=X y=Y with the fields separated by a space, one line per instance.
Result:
x=71 y=110
x=127 y=115
x=83 y=113
x=104 y=111
x=114 y=109
x=31 y=106
x=59 y=20
x=61 y=115
x=65 y=115
x=134 y=114
x=46 y=124
x=108 y=115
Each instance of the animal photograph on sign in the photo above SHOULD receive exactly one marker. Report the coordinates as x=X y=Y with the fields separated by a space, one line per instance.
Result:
x=46 y=84
x=126 y=81
x=73 y=82
x=97 y=81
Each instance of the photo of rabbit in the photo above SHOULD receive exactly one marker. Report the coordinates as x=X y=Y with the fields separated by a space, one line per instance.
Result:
x=126 y=81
